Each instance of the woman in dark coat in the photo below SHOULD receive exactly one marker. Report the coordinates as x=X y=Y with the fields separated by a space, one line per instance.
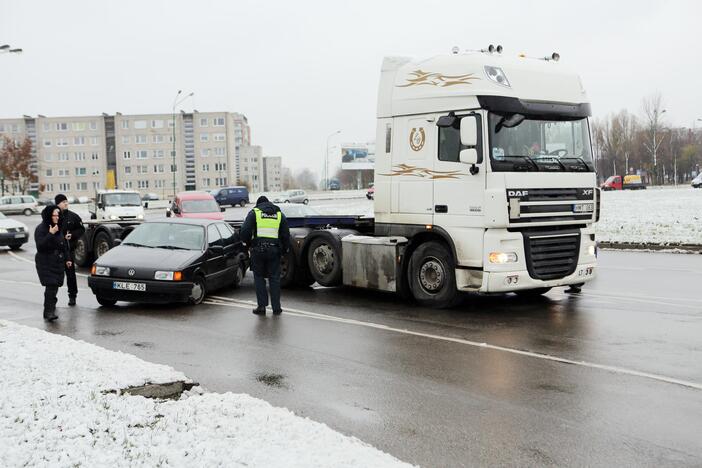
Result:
x=51 y=258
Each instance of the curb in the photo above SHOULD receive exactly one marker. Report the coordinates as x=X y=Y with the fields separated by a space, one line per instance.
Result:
x=686 y=248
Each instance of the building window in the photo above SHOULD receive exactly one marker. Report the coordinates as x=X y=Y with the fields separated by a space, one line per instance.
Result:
x=47 y=142
x=127 y=154
x=94 y=156
x=220 y=137
x=220 y=181
x=64 y=187
x=97 y=185
x=218 y=121
x=49 y=188
x=143 y=184
x=220 y=166
x=79 y=126
x=204 y=137
x=128 y=184
x=174 y=167
x=93 y=125
x=49 y=173
x=140 y=124
x=220 y=152
x=82 y=186
x=81 y=171
x=142 y=169
x=206 y=182
x=157 y=124
x=159 y=183
x=63 y=157
x=158 y=138
x=127 y=169
x=204 y=152
x=93 y=141
x=48 y=157
x=171 y=124
x=140 y=139
x=203 y=122
x=61 y=126
x=46 y=126
x=206 y=168
x=158 y=169
x=158 y=153
x=125 y=124
x=79 y=156
x=142 y=154
x=125 y=140
x=79 y=141
x=62 y=142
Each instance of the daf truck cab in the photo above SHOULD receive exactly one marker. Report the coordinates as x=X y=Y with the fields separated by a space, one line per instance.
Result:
x=117 y=205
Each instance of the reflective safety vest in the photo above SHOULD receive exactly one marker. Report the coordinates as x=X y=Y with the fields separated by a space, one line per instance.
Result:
x=267 y=224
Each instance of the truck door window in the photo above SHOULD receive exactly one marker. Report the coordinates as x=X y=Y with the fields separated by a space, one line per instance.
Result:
x=450 y=142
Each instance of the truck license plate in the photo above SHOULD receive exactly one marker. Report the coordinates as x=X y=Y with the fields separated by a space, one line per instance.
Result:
x=19 y=236
x=584 y=208
x=128 y=286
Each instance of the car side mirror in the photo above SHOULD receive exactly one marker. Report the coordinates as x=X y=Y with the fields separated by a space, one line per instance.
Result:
x=469 y=131
x=176 y=210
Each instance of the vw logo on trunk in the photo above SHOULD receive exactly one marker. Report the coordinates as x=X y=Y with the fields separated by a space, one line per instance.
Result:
x=131 y=272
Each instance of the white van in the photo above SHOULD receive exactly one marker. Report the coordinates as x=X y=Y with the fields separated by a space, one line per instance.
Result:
x=117 y=205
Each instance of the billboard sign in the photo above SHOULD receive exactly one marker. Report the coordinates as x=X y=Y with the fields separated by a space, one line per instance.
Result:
x=357 y=156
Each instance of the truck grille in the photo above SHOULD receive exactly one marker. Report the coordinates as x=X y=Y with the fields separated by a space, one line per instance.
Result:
x=530 y=206
x=551 y=256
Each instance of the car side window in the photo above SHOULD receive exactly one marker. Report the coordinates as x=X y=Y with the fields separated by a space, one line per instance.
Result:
x=226 y=233
x=27 y=200
x=16 y=200
x=213 y=236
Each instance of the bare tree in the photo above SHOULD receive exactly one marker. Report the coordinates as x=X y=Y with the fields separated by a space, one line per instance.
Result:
x=305 y=179
x=652 y=107
x=16 y=164
x=287 y=179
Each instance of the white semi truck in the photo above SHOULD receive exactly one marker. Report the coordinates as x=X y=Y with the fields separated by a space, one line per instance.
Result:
x=484 y=182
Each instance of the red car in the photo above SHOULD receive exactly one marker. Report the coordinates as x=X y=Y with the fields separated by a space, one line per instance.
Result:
x=195 y=205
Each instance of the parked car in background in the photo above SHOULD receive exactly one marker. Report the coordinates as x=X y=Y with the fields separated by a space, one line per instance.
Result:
x=83 y=199
x=12 y=233
x=177 y=260
x=334 y=185
x=19 y=204
x=71 y=199
x=45 y=201
x=238 y=195
x=292 y=196
x=150 y=197
x=195 y=205
x=627 y=182
x=697 y=181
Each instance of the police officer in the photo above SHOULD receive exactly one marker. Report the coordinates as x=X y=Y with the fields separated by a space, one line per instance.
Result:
x=72 y=229
x=266 y=231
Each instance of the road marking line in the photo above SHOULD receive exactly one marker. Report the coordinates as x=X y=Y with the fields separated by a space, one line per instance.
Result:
x=219 y=300
x=32 y=262
x=31 y=283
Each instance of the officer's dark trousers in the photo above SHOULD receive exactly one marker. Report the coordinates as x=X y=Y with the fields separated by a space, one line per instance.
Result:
x=265 y=263
x=71 y=280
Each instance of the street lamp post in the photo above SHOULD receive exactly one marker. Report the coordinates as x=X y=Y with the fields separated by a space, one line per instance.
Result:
x=326 y=160
x=176 y=102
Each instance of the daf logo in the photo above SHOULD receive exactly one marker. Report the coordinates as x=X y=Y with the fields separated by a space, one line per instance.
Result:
x=131 y=272
x=517 y=193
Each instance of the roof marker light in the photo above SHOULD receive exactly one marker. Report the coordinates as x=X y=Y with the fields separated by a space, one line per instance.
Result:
x=491 y=48
x=555 y=56
x=496 y=75
x=499 y=49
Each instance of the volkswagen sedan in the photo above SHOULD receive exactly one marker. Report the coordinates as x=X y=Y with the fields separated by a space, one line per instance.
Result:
x=171 y=260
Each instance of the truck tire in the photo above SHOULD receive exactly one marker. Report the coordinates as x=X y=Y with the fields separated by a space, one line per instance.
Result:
x=324 y=261
x=432 y=276
x=102 y=244
x=81 y=256
x=287 y=270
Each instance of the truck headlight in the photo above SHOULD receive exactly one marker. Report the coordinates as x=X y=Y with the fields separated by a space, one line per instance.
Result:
x=502 y=257
x=100 y=270
x=168 y=275
x=114 y=217
x=591 y=250
x=140 y=216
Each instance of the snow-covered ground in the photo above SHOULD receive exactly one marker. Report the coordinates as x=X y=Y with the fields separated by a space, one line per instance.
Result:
x=658 y=216
x=56 y=409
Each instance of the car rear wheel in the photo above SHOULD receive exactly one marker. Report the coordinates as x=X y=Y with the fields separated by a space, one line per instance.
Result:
x=16 y=247
x=242 y=203
x=27 y=212
x=324 y=260
x=102 y=244
x=197 y=294
x=105 y=302
x=305 y=201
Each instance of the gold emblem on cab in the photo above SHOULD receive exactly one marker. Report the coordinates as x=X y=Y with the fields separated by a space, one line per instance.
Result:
x=417 y=138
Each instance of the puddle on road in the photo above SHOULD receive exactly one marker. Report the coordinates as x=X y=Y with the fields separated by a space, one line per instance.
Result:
x=108 y=332
x=272 y=380
x=143 y=344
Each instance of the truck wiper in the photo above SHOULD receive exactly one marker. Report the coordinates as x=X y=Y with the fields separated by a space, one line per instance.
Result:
x=580 y=160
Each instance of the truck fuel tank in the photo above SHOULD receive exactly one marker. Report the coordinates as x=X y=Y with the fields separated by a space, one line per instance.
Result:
x=372 y=262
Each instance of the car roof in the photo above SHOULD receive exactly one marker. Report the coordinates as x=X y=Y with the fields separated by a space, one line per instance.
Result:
x=194 y=196
x=193 y=221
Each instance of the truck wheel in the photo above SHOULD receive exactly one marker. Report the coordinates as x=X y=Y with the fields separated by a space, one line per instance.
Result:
x=432 y=276
x=105 y=302
x=81 y=253
x=287 y=270
x=199 y=291
x=532 y=292
x=102 y=244
x=324 y=260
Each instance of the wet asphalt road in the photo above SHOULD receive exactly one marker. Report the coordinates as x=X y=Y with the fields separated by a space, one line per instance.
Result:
x=419 y=383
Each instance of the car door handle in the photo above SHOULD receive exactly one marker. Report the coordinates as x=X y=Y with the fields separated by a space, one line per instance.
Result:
x=441 y=208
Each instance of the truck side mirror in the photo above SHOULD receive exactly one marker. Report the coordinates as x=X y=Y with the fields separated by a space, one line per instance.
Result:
x=146 y=205
x=168 y=212
x=469 y=131
x=468 y=156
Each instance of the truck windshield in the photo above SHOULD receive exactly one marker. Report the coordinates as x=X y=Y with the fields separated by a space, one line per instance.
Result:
x=531 y=143
x=200 y=206
x=121 y=199
x=167 y=236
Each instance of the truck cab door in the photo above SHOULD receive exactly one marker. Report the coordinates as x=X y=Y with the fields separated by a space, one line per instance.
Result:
x=412 y=191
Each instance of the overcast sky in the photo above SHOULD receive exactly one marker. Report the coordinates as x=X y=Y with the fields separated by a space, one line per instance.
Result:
x=301 y=70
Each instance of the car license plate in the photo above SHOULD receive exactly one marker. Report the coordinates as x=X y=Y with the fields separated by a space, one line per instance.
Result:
x=584 y=208
x=19 y=236
x=128 y=286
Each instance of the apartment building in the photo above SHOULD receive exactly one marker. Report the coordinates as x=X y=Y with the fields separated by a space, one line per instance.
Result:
x=159 y=153
x=272 y=173
x=261 y=174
